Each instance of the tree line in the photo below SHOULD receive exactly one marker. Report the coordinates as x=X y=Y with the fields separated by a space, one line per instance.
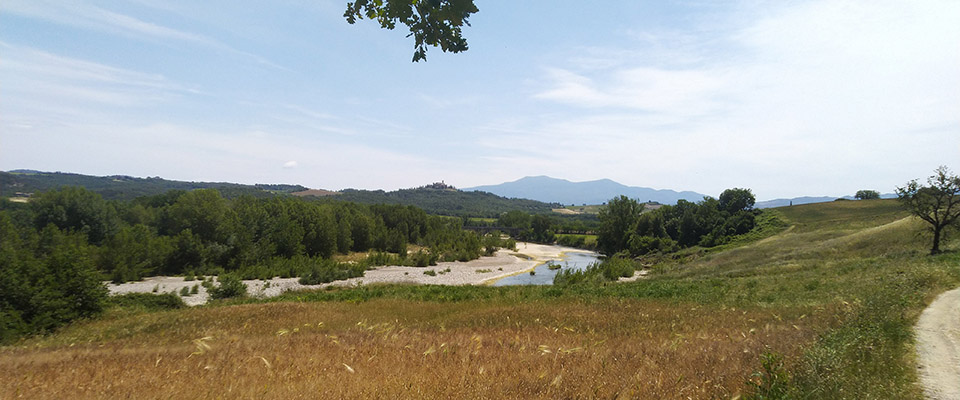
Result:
x=56 y=250
x=626 y=230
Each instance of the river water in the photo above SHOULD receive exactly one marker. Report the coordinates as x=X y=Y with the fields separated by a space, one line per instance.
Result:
x=544 y=276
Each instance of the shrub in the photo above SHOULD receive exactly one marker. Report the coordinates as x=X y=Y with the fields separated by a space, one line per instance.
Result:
x=423 y=259
x=146 y=301
x=324 y=270
x=610 y=269
x=430 y=272
x=771 y=383
x=230 y=286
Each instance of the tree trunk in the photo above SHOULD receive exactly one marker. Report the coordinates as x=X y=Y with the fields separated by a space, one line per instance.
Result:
x=936 y=240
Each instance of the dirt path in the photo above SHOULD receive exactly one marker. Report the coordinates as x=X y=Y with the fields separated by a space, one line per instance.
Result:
x=938 y=347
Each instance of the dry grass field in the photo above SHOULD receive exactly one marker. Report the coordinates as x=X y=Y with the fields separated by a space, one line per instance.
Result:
x=402 y=349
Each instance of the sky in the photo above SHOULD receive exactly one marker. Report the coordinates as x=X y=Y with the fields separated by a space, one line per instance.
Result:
x=788 y=98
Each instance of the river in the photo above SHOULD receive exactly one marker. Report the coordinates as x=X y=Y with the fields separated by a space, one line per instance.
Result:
x=543 y=275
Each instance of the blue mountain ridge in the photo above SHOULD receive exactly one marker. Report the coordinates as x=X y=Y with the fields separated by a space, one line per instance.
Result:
x=553 y=190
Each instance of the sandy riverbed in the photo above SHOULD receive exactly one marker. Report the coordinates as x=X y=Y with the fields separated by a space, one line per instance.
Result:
x=476 y=272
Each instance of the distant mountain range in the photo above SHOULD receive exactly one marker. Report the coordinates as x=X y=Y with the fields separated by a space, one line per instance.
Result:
x=536 y=194
x=553 y=190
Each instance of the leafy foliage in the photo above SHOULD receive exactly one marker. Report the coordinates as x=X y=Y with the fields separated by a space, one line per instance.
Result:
x=867 y=195
x=230 y=286
x=147 y=301
x=435 y=23
x=938 y=203
x=624 y=227
x=47 y=279
x=609 y=270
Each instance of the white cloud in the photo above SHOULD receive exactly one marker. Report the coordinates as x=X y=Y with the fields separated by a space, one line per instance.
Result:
x=816 y=97
x=290 y=164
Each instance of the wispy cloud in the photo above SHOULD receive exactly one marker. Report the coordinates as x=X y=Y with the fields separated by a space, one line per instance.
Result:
x=643 y=88
x=815 y=89
x=55 y=78
x=88 y=16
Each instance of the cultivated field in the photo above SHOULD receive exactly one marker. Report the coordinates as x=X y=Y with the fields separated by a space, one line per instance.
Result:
x=834 y=295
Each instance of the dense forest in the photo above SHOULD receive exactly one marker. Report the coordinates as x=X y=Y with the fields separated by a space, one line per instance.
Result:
x=56 y=249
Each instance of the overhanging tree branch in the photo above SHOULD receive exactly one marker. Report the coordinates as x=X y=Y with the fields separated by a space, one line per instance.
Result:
x=436 y=23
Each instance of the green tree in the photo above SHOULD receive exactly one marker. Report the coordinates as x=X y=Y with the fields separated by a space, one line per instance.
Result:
x=133 y=253
x=540 y=226
x=514 y=219
x=47 y=279
x=435 y=23
x=867 y=195
x=938 y=203
x=75 y=209
x=617 y=222
x=205 y=213
x=736 y=199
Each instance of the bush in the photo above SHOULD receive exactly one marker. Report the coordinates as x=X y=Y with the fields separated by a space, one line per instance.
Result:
x=230 y=286
x=379 y=258
x=146 y=301
x=423 y=259
x=771 y=383
x=323 y=271
x=610 y=269
x=640 y=245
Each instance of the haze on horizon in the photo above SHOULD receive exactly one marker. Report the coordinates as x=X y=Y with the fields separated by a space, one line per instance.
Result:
x=789 y=99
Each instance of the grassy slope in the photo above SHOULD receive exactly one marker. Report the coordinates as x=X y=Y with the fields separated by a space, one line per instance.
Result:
x=836 y=293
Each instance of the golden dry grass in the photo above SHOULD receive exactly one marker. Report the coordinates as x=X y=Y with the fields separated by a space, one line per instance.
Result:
x=403 y=349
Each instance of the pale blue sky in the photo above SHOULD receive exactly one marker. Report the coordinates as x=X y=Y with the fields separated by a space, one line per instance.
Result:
x=787 y=98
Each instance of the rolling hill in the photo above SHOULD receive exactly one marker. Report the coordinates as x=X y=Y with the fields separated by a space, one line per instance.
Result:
x=434 y=199
x=123 y=187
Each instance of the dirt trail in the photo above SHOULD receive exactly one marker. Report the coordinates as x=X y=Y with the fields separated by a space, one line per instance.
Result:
x=938 y=347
